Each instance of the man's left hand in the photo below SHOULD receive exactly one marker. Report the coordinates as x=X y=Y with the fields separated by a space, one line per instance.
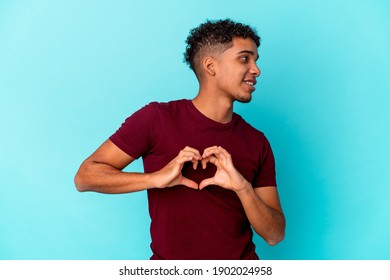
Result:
x=226 y=175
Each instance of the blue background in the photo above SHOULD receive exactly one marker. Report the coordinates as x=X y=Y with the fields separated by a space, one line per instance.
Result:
x=72 y=71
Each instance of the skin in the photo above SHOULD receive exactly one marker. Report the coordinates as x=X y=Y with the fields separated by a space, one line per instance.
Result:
x=224 y=79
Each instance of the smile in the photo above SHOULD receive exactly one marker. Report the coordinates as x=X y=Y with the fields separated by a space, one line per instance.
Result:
x=251 y=84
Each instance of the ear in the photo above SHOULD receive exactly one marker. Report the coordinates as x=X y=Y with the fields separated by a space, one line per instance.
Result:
x=209 y=65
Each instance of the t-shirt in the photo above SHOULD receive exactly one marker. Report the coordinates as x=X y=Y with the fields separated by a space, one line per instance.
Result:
x=188 y=223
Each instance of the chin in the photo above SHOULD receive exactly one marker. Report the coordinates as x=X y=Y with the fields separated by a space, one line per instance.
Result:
x=243 y=99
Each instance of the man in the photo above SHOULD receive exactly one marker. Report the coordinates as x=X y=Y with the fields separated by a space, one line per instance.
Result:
x=210 y=176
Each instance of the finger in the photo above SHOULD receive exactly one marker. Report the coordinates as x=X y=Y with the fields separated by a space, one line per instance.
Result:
x=221 y=156
x=209 y=151
x=189 y=183
x=206 y=182
x=211 y=159
x=185 y=156
x=184 y=159
x=195 y=164
x=214 y=160
x=204 y=162
x=194 y=151
x=224 y=152
x=189 y=153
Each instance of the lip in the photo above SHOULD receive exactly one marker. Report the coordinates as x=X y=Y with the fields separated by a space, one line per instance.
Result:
x=253 y=81
x=250 y=83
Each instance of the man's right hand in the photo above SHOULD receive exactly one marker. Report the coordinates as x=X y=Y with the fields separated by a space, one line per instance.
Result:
x=171 y=174
x=102 y=172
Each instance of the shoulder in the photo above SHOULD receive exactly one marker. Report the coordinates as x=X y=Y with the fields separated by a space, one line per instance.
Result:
x=167 y=106
x=248 y=129
x=167 y=109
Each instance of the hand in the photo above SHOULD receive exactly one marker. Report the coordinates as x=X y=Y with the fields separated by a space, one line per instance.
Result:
x=226 y=175
x=171 y=174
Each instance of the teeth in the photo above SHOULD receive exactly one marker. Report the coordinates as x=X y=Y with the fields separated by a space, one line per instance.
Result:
x=249 y=83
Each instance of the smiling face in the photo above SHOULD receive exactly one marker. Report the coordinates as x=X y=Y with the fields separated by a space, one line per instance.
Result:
x=236 y=70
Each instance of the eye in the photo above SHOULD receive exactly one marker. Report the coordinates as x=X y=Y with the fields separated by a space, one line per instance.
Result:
x=244 y=58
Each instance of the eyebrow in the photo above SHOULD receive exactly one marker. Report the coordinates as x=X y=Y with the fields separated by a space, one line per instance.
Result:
x=250 y=52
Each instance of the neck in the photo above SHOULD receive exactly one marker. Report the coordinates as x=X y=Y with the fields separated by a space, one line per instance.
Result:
x=214 y=107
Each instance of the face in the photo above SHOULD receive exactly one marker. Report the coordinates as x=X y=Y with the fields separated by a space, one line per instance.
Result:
x=236 y=70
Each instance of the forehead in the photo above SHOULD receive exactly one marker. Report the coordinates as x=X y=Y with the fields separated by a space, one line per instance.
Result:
x=242 y=45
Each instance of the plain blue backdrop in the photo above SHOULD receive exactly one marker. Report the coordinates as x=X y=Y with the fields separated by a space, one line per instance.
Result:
x=72 y=71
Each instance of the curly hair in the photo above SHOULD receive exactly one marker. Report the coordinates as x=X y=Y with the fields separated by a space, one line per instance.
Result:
x=215 y=36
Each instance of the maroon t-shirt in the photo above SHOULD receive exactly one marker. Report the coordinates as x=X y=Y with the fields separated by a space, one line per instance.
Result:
x=187 y=223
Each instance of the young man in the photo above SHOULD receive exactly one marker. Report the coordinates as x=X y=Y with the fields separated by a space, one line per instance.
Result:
x=210 y=176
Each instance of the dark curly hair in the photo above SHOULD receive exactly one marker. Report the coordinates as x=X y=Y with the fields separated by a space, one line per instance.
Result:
x=215 y=36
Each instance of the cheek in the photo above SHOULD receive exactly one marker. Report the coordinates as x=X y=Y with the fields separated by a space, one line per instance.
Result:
x=231 y=73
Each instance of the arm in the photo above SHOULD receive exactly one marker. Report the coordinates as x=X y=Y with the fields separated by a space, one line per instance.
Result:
x=261 y=205
x=102 y=172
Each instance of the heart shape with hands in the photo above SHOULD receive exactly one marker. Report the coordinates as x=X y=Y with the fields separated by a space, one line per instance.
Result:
x=226 y=175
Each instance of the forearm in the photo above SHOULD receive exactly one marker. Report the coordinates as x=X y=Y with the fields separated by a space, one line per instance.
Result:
x=104 y=178
x=267 y=222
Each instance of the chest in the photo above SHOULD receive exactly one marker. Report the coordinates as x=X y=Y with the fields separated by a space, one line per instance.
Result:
x=176 y=134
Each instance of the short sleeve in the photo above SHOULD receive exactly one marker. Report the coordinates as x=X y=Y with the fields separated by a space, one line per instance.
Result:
x=136 y=135
x=266 y=175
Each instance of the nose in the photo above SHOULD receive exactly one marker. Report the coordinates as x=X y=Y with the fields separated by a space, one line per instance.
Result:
x=255 y=70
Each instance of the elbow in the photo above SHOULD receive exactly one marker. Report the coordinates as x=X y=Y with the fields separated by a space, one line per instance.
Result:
x=275 y=240
x=276 y=236
x=79 y=182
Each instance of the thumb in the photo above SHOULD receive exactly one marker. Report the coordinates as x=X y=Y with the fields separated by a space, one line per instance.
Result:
x=206 y=182
x=189 y=183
